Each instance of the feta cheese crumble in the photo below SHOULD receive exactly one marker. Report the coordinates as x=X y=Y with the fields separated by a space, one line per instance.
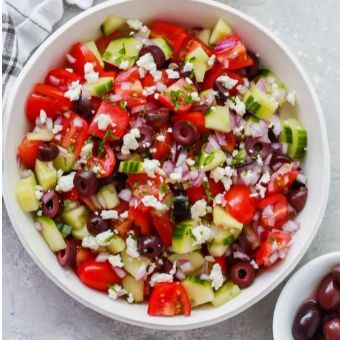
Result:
x=146 y=63
x=74 y=91
x=216 y=276
x=212 y=60
x=116 y=291
x=160 y=277
x=224 y=175
x=188 y=67
x=130 y=298
x=151 y=167
x=65 y=183
x=291 y=97
x=116 y=261
x=172 y=74
x=103 y=239
x=38 y=192
x=131 y=246
x=109 y=214
x=265 y=178
x=134 y=24
x=130 y=141
x=103 y=120
x=148 y=91
x=199 y=209
x=90 y=75
x=201 y=234
x=160 y=138
x=237 y=105
x=124 y=65
x=151 y=201
x=195 y=97
x=227 y=82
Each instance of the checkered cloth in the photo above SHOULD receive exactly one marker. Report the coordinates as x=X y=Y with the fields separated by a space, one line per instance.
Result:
x=25 y=25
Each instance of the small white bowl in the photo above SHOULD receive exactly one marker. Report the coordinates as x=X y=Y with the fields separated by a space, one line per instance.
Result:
x=300 y=287
x=274 y=54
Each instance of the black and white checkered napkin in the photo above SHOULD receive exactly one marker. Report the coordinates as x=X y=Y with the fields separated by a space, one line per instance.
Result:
x=25 y=25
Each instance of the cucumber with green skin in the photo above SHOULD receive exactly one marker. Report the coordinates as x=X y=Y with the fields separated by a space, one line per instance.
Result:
x=111 y=24
x=182 y=238
x=195 y=258
x=226 y=293
x=199 y=291
x=46 y=174
x=218 y=119
x=91 y=45
x=220 y=31
x=76 y=218
x=108 y=197
x=164 y=46
x=100 y=87
x=209 y=161
x=79 y=234
x=132 y=264
x=51 y=233
x=131 y=167
x=26 y=194
x=134 y=287
x=117 y=245
x=199 y=58
x=204 y=35
x=64 y=161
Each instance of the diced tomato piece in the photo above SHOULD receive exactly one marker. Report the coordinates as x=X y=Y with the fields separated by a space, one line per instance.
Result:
x=119 y=121
x=79 y=55
x=98 y=275
x=169 y=299
x=196 y=118
x=88 y=202
x=109 y=74
x=73 y=134
x=71 y=195
x=231 y=141
x=61 y=78
x=215 y=188
x=28 y=152
x=282 y=179
x=196 y=193
x=276 y=213
x=232 y=53
x=274 y=243
x=105 y=160
x=239 y=203
x=83 y=255
x=53 y=93
x=149 y=80
x=211 y=75
x=167 y=31
x=177 y=96
x=141 y=220
x=164 y=226
x=162 y=149
x=128 y=85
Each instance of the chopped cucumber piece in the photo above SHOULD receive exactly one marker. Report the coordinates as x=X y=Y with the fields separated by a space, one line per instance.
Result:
x=41 y=134
x=64 y=161
x=135 y=157
x=296 y=137
x=133 y=265
x=26 y=194
x=210 y=161
x=111 y=24
x=117 y=245
x=182 y=238
x=79 y=234
x=223 y=238
x=199 y=291
x=46 y=174
x=121 y=50
x=259 y=103
x=91 y=45
x=100 y=87
x=164 y=46
x=108 y=197
x=208 y=96
x=227 y=292
x=195 y=258
x=221 y=30
x=204 y=35
x=131 y=167
x=76 y=218
x=217 y=249
x=239 y=158
x=223 y=219
x=136 y=288
x=51 y=233
x=199 y=59
x=273 y=87
x=218 y=119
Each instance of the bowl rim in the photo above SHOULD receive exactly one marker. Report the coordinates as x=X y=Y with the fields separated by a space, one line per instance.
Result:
x=325 y=180
x=292 y=282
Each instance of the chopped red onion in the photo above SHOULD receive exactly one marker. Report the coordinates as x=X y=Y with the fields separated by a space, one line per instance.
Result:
x=268 y=159
x=180 y=275
x=272 y=259
x=168 y=167
x=144 y=40
x=125 y=85
x=220 y=137
x=186 y=267
x=102 y=257
x=283 y=252
x=224 y=45
x=241 y=256
x=291 y=226
x=181 y=159
x=120 y=272
x=261 y=84
x=140 y=272
x=122 y=157
x=259 y=129
x=276 y=124
x=125 y=195
x=160 y=87
x=115 y=97
x=54 y=80
x=212 y=144
x=132 y=202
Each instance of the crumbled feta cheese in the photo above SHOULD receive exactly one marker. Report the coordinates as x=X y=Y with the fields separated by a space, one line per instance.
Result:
x=130 y=141
x=90 y=75
x=153 y=150
x=224 y=175
x=116 y=261
x=103 y=120
x=216 y=276
x=156 y=96
x=175 y=177
x=85 y=152
x=172 y=74
x=160 y=277
x=130 y=298
x=103 y=239
x=227 y=82
x=151 y=167
x=42 y=116
x=124 y=215
x=116 y=291
x=188 y=67
x=173 y=66
x=69 y=69
x=160 y=138
x=65 y=183
x=151 y=201
x=60 y=173
x=213 y=108
x=201 y=234
x=169 y=130
x=254 y=264
x=39 y=212
x=237 y=105
x=74 y=91
x=199 y=209
x=148 y=91
x=190 y=162
x=291 y=97
x=259 y=160
x=152 y=268
x=57 y=128
x=195 y=97
x=212 y=60
x=218 y=200
x=90 y=242
x=131 y=246
x=124 y=65
x=38 y=192
x=265 y=178
x=134 y=24
x=147 y=63
x=188 y=80
x=109 y=214
x=209 y=258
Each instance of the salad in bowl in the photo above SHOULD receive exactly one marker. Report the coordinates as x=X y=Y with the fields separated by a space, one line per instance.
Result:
x=159 y=166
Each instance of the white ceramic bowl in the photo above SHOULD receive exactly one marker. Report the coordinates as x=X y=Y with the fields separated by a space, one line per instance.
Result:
x=274 y=55
x=300 y=287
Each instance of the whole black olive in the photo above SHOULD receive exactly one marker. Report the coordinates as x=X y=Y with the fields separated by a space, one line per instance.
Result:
x=47 y=152
x=86 y=183
x=181 y=207
x=146 y=137
x=50 y=204
x=67 y=256
x=160 y=115
x=150 y=246
x=336 y=274
x=297 y=198
x=221 y=91
x=97 y=225
x=185 y=133
x=156 y=52
x=331 y=329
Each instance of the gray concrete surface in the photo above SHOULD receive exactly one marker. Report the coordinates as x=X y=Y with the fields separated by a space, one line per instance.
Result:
x=34 y=308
